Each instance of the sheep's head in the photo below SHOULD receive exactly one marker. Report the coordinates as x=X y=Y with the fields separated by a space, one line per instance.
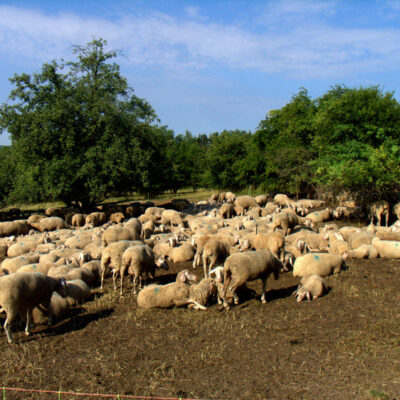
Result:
x=161 y=263
x=302 y=293
x=185 y=276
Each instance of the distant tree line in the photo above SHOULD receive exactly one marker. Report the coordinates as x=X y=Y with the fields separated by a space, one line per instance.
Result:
x=79 y=133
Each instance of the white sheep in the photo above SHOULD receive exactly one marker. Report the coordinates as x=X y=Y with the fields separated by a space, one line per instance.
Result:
x=310 y=287
x=322 y=264
x=249 y=266
x=21 y=293
x=387 y=248
x=139 y=260
x=77 y=292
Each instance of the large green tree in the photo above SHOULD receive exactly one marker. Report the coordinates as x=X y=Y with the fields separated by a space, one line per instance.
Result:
x=78 y=132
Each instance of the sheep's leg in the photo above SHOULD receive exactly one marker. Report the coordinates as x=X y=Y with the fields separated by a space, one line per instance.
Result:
x=114 y=278
x=28 y=322
x=135 y=283
x=205 y=265
x=7 y=325
x=263 y=290
x=379 y=220
x=387 y=219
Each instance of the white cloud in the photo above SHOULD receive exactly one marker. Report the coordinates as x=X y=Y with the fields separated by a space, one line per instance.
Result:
x=160 y=40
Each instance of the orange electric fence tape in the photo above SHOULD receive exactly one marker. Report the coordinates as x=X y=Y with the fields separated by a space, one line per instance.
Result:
x=115 y=396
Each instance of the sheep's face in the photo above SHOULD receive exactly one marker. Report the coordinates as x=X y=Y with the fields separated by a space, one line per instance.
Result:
x=301 y=294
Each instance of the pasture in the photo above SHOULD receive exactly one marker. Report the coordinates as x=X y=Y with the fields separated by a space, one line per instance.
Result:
x=343 y=345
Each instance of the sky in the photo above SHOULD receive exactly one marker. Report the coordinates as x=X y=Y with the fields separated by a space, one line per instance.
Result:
x=211 y=65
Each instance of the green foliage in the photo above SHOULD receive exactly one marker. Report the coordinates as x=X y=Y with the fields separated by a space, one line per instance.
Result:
x=78 y=132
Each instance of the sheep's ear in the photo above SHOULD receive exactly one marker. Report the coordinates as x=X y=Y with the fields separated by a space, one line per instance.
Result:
x=183 y=277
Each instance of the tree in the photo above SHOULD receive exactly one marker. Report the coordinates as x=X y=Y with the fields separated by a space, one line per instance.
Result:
x=78 y=132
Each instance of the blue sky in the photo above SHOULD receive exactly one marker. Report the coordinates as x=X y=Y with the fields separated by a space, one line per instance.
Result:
x=205 y=65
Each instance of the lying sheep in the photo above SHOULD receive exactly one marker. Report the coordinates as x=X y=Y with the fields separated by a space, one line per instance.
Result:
x=139 y=260
x=363 y=251
x=17 y=227
x=387 y=248
x=322 y=264
x=21 y=293
x=249 y=266
x=11 y=265
x=175 y=294
x=310 y=287
x=182 y=253
x=50 y=224
x=320 y=216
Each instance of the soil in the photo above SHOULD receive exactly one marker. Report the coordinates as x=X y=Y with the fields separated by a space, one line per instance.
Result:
x=344 y=345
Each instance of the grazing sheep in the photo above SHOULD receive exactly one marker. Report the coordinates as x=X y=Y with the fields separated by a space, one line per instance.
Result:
x=282 y=200
x=34 y=218
x=53 y=212
x=95 y=219
x=173 y=294
x=379 y=209
x=246 y=202
x=147 y=229
x=387 y=248
x=59 y=308
x=154 y=211
x=77 y=292
x=227 y=211
x=172 y=217
x=310 y=287
x=112 y=257
x=287 y=220
x=117 y=218
x=139 y=260
x=261 y=200
x=273 y=241
x=322 y=264
x=95 y=267
x=249 y=266
x=83 y=274
x=78 y=220
x=21 y=293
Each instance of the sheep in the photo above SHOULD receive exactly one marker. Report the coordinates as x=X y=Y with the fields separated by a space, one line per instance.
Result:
x=261 y=200
x=117 y=233
x=27 y=245
x=227 y=210
x=357 y=239
x=3 y=252
x=37 y=267
x=314 y=240
x=81 y=273
x=182 y=253
x=246 y=202
x=139 y=260
x=396 y=210
x=287 y=220
x=249 y=266
x=116 y=218
x=17 y=227
x=59 y=308
x=95 y=267
x=21 y=293
x=172 y=217
x=34 y=218
x=78 y=220
x=79 y=240
x=214 y=198
x=337 y=244
x=165 y=296
x=77 y=291
x=377 y=210
x=273 y=241
x=282 y=200
x=322 y=264
x=311 y=286
x=386 y=248
x=154 y=211
x=147 y=229
x=112 y=257
x=95 y=219
x=11 y=265
x=364 y=251
x=50 y=224
x=320 y=216
x=53 y=212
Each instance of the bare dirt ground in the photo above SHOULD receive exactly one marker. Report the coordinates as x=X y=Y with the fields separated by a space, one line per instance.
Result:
x=344 y=345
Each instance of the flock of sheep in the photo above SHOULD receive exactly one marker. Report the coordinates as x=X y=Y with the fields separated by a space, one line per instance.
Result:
x=49 y=263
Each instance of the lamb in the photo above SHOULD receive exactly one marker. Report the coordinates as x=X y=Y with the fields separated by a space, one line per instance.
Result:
x=139 y=260
x=311 y=286
x=21 y=293
x=165 y=296
x=322 y=264
x=249 y=266
x=387 y=248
